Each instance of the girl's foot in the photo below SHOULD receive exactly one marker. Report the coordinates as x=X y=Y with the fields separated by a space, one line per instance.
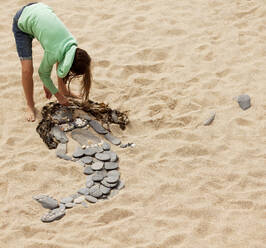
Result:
x=30 y=114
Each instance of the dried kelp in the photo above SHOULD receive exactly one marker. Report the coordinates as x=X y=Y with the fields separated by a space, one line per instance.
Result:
x=53 y=113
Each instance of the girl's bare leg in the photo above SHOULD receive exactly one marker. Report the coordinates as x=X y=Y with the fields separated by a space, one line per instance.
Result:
x=27 y=83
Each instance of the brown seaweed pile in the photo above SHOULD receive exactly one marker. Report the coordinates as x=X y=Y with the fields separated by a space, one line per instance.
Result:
x=100 y=111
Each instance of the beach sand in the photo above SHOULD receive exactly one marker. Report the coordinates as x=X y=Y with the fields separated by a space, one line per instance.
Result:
x=170 y=63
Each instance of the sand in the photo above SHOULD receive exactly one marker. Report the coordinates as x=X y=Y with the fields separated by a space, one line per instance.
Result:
x=170 y=63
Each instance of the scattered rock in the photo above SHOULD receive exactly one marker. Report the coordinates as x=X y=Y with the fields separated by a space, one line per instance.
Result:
x=105 y=190
x=244 y=101
x=120 y=185
x=113 y=156
x=91 y=151
x=109 y=185
x=210 y=119
x=84 y=136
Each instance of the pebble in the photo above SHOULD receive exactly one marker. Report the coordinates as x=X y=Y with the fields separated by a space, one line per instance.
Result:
x=88 y=170
x=109 y=185
x=86 y=160
x=54 y=214
x=103 y=156
x=59 y=134
x=75 y=196
x=114 y=140
x=98 y=127
x=91 y=199
x=46 y=201
x=97 y=165
x=98 y=176
x=89 y=183
x=67 y=200
x=124 y=145
x=113 y=193
x=91 y=151
x=105 y=190
x=120 y=185
x=106 y=146
x=110 y=165
x=79 y=200
x=210 y=119
x=244 y=101
x=113 y=156
x=78 y=153
x=70 y=205
x=83 y=191
x=112 y=177
x=95 y=191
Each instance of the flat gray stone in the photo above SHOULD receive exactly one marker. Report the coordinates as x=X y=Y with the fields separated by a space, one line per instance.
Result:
x=124 y=145
x=79 y=200
x=113 y=156
x=70 y=205
x=89 y=183
x=210 y=119
x=91 y=151
x=64 y=156
x=86 y=160
x=46 y=201
x=59 y=134
x=53 y=215
x=120 y=185
x=84 y=136
x=98 y=127
x=63 y=115
x=75 y=196
x=95 y=191
x=78 y=153
x=104 y=156
x=98 y=176
x=114 y=140
x=83 y=191
x=106 y=146
x=112 y=177
x=105 y=190
x=109 y=185
x=67 y=200
x=61 y=152
x=88 y=170
x=97 y=165
x=91 y=199
x=110 y=165
x=244 y=101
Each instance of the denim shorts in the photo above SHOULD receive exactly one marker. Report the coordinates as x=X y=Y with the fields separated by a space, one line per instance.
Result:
x=23 y=40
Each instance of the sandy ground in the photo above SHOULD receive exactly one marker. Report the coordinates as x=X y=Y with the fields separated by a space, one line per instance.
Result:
x=170 y=63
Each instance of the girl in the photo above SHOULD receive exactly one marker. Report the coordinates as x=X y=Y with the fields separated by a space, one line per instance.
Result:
x=37 y=20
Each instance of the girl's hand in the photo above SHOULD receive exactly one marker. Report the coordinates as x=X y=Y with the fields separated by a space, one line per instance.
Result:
x=48 y=94
x=61 y=99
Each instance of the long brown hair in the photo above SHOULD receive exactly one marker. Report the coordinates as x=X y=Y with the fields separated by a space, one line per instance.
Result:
x=81 y=66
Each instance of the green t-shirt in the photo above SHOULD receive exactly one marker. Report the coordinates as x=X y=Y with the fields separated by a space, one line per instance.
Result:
x=58 y=43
